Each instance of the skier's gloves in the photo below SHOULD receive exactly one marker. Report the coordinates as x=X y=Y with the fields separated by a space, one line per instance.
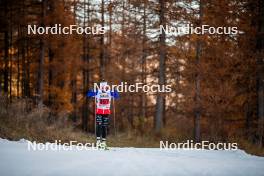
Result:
x=115 y=94
x=90 y=93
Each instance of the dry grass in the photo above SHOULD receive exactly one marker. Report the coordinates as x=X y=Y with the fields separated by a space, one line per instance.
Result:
x=248 y=146
x=21 y=119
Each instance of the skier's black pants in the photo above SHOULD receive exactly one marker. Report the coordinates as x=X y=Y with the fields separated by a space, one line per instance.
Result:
x=101 y=125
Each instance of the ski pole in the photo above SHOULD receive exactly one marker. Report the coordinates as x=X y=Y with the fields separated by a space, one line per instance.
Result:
x=114 y=115
x=95 y=116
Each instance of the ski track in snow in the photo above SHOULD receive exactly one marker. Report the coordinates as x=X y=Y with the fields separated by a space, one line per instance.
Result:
x=17 y=160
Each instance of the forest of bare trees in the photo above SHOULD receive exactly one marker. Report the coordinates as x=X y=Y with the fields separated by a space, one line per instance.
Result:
x=217 y=80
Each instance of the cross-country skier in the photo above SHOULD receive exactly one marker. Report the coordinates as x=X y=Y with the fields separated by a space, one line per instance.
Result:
x=103 y=98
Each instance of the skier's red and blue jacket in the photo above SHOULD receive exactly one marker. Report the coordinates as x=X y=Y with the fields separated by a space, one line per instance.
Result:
x=103 y=100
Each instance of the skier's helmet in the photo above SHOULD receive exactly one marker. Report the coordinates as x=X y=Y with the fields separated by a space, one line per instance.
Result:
x=104 y=86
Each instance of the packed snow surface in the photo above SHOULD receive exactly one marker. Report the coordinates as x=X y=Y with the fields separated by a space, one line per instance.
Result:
x=16 y=159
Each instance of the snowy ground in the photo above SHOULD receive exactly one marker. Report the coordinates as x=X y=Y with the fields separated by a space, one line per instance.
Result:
x=15 y=159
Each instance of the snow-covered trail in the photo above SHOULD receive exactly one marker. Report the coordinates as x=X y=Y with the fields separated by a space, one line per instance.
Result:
x=15 y=159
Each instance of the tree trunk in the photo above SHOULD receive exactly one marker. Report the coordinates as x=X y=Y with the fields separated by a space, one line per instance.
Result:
x=50 y=79
x=162 y=55
x=197 y=98
x=85 y=71
x=102 y=47
x=143 y=64
x=74 y=80
x=6 y=48
x=260 y=71
x=110 y=22
x=27 y=64
x=41 y=60
x=18 y=63
x=6 y=62
x=11 y=63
